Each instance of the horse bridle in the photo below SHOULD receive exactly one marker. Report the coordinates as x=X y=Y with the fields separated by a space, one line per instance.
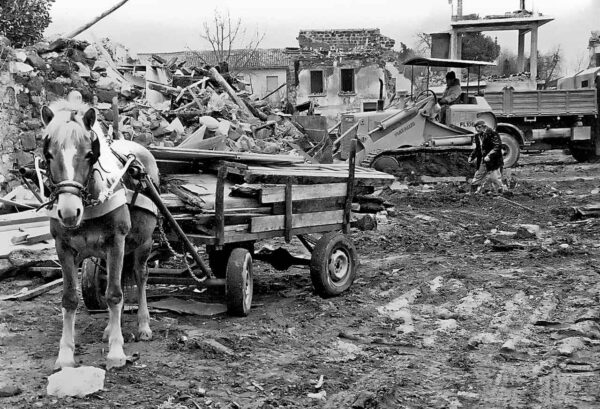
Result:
x=69 y=186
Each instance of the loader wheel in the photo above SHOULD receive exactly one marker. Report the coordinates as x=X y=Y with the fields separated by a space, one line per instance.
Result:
x=510 y=150
x=386 y=164
x=333 y=264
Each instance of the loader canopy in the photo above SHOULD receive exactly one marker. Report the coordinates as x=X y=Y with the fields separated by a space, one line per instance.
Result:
x=446 y=63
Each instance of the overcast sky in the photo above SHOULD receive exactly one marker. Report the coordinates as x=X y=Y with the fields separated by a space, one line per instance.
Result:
x=175 y=25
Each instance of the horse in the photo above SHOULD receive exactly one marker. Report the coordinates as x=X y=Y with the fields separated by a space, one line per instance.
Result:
x=89 y=219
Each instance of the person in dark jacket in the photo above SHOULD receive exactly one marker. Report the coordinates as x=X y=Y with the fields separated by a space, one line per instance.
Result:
x=487 y=157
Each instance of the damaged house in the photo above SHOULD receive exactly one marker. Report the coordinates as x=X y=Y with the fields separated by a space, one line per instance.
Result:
x=341 y=70
x=263 y=71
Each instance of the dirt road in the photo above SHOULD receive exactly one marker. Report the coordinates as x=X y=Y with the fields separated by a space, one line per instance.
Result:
x=450 y=310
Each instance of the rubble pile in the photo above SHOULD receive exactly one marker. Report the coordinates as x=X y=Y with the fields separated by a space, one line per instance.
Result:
x=161 y=104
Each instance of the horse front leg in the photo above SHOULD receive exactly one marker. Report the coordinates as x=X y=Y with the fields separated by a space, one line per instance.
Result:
x=140 y=267
x=69 y=306
x=114 y=299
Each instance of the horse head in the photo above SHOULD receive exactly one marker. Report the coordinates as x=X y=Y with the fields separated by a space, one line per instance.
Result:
x=71 y=148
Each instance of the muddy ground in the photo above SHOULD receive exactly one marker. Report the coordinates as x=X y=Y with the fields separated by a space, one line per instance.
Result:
x=448 y=311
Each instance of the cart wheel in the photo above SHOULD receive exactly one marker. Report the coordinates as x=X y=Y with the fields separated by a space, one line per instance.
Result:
x=93 y=283
x=239 y=282
x=217 y=259
x=333 y=264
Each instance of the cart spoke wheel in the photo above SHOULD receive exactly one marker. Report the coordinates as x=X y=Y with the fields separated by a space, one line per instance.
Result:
x=240 y=282
x=333 y=264
x=93 y=283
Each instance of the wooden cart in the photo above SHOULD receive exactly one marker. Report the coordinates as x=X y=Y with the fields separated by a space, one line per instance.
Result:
x=204 y=204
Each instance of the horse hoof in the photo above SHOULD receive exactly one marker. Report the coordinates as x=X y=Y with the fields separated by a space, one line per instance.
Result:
x=115 y=362
x=145 y=334
x=64 y=363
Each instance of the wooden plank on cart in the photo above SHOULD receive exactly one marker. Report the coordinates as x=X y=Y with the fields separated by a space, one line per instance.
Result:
x=276 y=193
x=307 y=176
x=266 y=223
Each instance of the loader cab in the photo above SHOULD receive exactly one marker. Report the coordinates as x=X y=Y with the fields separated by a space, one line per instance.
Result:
x=470 y=106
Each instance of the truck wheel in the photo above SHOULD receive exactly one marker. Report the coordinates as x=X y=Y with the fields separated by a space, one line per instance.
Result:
x=333 y=264
x=93 y=283
x=510 y=150
x=582 y=153
x=239 y=282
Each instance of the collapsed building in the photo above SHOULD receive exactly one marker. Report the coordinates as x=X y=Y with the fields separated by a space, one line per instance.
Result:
x=342 y=70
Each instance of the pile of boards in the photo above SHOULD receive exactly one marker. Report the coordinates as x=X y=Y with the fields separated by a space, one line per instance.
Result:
x=262 y=195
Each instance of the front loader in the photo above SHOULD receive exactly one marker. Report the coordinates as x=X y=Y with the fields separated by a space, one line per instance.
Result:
x=412 y=142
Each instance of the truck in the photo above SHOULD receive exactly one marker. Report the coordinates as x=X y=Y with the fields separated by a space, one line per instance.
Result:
x=547 y=119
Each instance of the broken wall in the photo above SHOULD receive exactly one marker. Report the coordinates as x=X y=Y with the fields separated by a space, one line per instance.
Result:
x=19 y=130
x=263 y=81
x=332 y=100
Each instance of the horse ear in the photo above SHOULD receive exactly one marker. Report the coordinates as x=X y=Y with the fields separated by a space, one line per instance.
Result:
x=47 y=115
x=96 y=147
x=89 y=118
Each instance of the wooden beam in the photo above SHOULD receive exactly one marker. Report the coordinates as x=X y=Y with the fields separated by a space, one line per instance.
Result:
x=95 y=20
x=27 y=295
x=230 y=91
x=276 y=193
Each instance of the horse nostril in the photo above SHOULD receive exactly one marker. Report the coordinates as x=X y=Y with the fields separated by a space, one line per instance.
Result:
x=78 y=212
x=60 y=214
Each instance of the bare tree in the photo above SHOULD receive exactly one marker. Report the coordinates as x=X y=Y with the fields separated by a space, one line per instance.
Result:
x=580 y=63
x=550 y=66
x=230 y=42
x=423 y=44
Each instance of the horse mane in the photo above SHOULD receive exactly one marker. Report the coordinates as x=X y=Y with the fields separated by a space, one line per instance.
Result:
x=63 y=120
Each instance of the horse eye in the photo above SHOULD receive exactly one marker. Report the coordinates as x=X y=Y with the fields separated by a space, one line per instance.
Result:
x=48 y=156
x=89 y=155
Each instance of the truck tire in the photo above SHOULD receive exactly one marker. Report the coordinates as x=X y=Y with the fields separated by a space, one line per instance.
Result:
x=582 y=153
x=510 y=149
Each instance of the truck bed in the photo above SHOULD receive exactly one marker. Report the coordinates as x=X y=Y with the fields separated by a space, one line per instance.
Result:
x=511 y=103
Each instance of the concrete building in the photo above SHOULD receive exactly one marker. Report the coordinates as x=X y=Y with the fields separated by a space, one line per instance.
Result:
x=449 y=44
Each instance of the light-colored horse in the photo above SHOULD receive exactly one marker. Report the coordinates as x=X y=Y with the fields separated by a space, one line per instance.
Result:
x=88 y=219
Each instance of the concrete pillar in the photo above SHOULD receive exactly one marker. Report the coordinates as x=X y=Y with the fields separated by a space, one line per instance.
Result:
x=521 y=52
x=455 y=46
x=459 y=46
x=533 y=55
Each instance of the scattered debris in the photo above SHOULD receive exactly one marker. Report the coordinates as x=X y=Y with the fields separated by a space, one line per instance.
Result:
x=187 y=306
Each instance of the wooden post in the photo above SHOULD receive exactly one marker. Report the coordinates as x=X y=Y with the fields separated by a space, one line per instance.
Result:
x=95 y=20
x=288 y=210
x=230 y=91
x=220 y=206
x=115 y=109
x=350 y=189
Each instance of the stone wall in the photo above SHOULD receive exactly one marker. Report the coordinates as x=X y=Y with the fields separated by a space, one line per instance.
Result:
x=19 y=130
x=350 y=39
